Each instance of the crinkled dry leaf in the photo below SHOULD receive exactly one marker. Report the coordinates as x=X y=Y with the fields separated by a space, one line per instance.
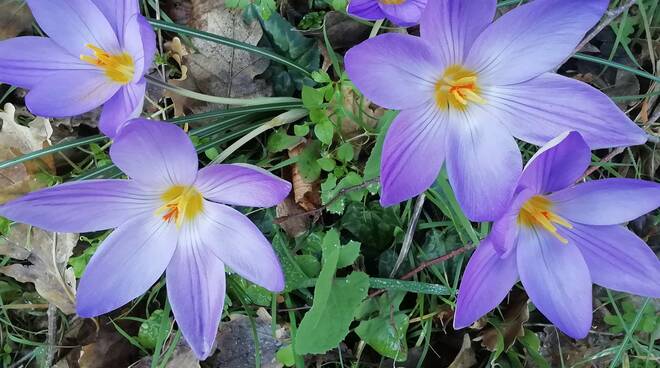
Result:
x=177 y=51
x=48 y=254
x=221 y=70
x=466 y=357
x=182 y=357
x=16 y=140
x=516 y=314
x=307 y=195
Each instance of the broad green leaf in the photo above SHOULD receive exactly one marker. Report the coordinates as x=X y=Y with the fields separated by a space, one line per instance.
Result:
x=285 y=356
x=386 y=335
x=345 y=152
x=330 y=191
x=150 y=329
x=280 y=141
x=312 y=97
x=532 y=345
x=293 y=274
x=301 y=130
x=255 y=293
x=325 y=131
x=348 y=254
x=309 y=264
x=327 y=163
x=335 y=303
x=307 y=162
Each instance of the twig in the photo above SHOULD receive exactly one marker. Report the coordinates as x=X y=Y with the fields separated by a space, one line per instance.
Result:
x=407 y=240
x=52 y=332
x=341 y=193
x=605 y=159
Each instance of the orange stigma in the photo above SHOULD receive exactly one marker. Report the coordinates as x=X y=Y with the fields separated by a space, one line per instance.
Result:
x=181 y=203
x=391 y=2
x=118 y=68
x=537 y=211
x=457 y=88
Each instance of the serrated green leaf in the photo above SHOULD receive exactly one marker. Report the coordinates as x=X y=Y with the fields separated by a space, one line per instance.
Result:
x=335 y=303
x=348 y=254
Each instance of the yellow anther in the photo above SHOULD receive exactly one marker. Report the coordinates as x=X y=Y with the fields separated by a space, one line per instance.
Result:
x=457 y=88
x=180 y=203
x=119 y=68
x=537 y=212
x=392 y=2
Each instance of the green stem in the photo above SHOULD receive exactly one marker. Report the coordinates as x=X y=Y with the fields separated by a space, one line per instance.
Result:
x=219 y=100
x=51 y=150
x=376 y=28
x=394 y=284
x=172 y=27
x=613 y=64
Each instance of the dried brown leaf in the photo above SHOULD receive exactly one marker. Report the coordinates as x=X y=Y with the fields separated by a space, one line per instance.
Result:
x=15 y=18
x=466 y=357
x=516 y=314
x=48 y=254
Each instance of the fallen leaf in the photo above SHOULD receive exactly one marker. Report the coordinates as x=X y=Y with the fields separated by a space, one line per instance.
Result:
x=466 y=357
x=177 y=51
x=182 y=357
x=16 y=140
x=48 y=254
x=307 y=195
x=516 y=314
x=220 y=70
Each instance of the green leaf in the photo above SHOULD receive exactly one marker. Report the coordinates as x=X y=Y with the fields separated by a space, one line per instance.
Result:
x=335 y=303
x=307 y=162
x=309 y=264
x=280 y=141
x=386 y=335
x=327 y=163
x=371 y=225
x=345 y=152
x=150 y=329
x=348 y=254
x=532 y=345
x=293 y=274
x=285 y=356
x=312 y=97
x=321 y=76
x=301 y=130
x=330 y=191
x=325 y=131
x=372 y=168
x=255 y=293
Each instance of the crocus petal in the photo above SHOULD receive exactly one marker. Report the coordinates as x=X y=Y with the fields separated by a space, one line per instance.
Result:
x=532 y=39
x=241 y=185
x=235 y=240
x=607 y=202
x=70 y=92
x=556 y=279
x=72 y=24
x=413 y=153
x=557 y=165
x=90 y=205
x=504 y=234
x=405 y=14
x=125 y=105
x=395 y=71
x=540 y=109
x=119 y=14
x=156 y=154
x=486 y=281
x=128 y=262
x=451 y=26
x=23 y=61
x=148 y=42
x=617 y=258
x=483 y=164
x=196 y=290
x=367 y=9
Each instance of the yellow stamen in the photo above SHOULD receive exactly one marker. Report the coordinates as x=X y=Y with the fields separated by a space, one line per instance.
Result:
x=457 y=88
x=181 y=203
x=119 y=68
x=537 y=211
x=392 y=2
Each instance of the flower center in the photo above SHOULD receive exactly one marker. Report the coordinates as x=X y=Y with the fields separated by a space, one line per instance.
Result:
x=537 y=212
x=392 y=2
x=457 y=88
x=118 y=68
x=181 y=203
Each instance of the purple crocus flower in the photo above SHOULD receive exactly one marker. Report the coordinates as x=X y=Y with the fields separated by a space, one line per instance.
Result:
x=97 y=53
x=169 y=216
x=404 y=13
x=467 y=87
x=558 y=238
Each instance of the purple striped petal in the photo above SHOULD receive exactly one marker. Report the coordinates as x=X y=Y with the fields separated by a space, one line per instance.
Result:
x=22 y=61
x=235 y=240
x=451 y=26
x=366 y=9
x=557 y=165
x=413 y=153
x=540 y=109
x=196 y=290
x=128 y=262
x=504 y=234
x=119 y=14
x=532 y=39
x=617 y=259
x=241 y=185
x=483 y=164
x=70 y=92
x=155 y=154
x=125 y=105
x=486 y=282
x=556 y=279
x=80 y=207
x=148 y=43
x=74 y=23
x=405 y=14
x=607 y=202
x=395 y=71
